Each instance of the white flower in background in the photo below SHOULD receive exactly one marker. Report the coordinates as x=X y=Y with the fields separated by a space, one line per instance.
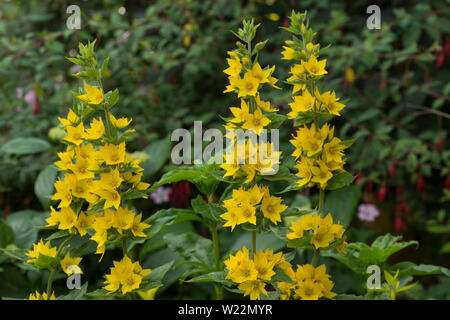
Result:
x=367 y=212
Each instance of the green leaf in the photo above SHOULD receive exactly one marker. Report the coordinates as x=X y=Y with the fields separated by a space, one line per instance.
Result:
x=411 y=269
x=43 y=187
x=180 y=174
x=342 y=179
x=22 y=146
x=6 y=234
x=75 y=294
x=342 y=211
x=216 y=277
x=191 y=246
x=159 y=152
x=276 y=120
x=208 y=211
x=24 y=225
x=167 y=217
x=158 y=273
x=58 y=235
x=104 y=67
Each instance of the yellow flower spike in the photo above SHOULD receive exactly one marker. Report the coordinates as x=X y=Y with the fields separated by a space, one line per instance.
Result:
x=93 y=95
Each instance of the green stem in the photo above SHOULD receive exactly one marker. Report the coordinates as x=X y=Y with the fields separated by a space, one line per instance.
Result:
x=55 y=269
x=254 y=242
x=321 y=200
x=315 y=257
x=50 y=281
x=215 y=240
x=124 y=247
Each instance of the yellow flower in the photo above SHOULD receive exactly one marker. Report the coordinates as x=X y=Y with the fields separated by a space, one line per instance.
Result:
x=93 y=95
x=82 y=169
x=111 y=197
x=70 y=265
x=272 y=208
x=123 y=219
x=41 y=248
x=96 y=130
x=63 y=193
x=350 y=75
x=234 y=63
x=264 y=265
x=75 y=134
x=288 y=53
x=253 y=195
x=240 y=114
x=256 y=121
x=66 y=159
x=309 y=290
x=138 y=227
x=265 y=105
x=231 y=217
x=302 y=103
x=247 y=213
x=321 y=174
x=119 y=123
x=304 y=171
x=125 y=274
x=44 y=296
x=248 y=85
x=72 y=119
x=84 y=222
x=260 y=74
x=254 y=288
x=67 y=218
x=109 y=180
x=112 y=154
x=297 y=230
x=314 y=67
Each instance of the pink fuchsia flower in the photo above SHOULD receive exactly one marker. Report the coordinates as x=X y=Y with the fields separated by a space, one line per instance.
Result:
x=161 y=195
x=367 y=212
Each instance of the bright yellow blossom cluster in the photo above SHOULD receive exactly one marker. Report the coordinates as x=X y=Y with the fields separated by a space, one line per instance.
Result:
x=323 y=231
x=308 y=283
x=247 y=78
x=251 y=274
x=126 y=275
x=96 y=174
x=43 y=296
x=45 y=250
x=96 y=178
x=320 y=154
x=245 y=206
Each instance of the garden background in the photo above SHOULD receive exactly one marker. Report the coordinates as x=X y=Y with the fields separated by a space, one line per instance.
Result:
x=168 y=61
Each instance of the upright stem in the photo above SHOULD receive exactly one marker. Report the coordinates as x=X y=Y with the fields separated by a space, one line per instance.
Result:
x=254 y=242
x=55 y=269
x=124 y=247
x=321 y=200
x=315 y=257
x=215 y=240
